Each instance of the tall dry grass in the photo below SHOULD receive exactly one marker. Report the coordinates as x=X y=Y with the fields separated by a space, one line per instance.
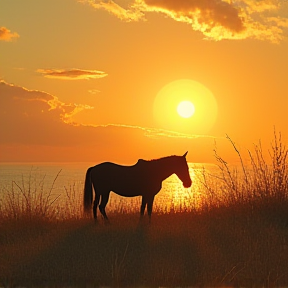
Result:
x=258 y=183
x=31 y=199
x=28 y=199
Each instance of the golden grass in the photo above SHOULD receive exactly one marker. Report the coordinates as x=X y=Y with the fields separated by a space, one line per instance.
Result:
x=215 y=249
x=236 y=236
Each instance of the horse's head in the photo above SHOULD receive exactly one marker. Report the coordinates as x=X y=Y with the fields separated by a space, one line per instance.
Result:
x=182 y=171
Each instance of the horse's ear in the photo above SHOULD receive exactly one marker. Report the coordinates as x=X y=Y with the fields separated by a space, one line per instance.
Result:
x=185 y=154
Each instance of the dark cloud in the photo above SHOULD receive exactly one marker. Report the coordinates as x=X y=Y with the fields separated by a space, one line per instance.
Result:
x=33 y=117
x=207 y=13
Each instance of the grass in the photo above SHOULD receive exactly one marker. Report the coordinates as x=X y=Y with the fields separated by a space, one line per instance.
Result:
x=236 y=235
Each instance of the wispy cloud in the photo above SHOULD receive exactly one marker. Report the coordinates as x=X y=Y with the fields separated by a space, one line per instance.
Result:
x=157 y=133
x=265 y=19
x=132 y=13
x=94 y=91
x=215 y=19
x=7 y=35
x=72 y=74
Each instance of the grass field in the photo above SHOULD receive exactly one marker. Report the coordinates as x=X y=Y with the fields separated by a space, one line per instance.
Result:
x=236 y=237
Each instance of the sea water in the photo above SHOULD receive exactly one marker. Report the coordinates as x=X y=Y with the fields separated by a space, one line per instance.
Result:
x=63 y=179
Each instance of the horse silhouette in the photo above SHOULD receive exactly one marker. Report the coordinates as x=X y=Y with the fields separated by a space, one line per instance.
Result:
x=142 y=179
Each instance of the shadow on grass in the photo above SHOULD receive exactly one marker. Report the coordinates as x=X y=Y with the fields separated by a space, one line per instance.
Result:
x=85 y=253
x=217 y=248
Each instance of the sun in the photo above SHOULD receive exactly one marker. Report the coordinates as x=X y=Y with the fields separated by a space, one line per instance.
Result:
x=186 y=109
x=185 y=106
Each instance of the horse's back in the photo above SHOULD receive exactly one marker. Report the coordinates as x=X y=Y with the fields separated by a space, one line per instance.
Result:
x=124 y=180
x=116 y=170
x=107 y=170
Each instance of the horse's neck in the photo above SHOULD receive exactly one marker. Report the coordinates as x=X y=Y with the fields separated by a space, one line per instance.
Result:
x=163 y=169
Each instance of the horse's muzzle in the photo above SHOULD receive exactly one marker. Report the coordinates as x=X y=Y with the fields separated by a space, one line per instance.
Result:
x=187 y=184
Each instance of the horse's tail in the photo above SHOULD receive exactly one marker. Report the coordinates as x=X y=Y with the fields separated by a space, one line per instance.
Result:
x=88 y=193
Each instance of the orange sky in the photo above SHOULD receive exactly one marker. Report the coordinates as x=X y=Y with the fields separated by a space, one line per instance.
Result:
x=81 y=80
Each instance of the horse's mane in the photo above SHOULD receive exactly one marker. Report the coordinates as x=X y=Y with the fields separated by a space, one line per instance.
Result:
x=157 y=159
x=162 y=158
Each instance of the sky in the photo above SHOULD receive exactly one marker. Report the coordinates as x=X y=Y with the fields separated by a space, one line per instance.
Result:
x=88 y=80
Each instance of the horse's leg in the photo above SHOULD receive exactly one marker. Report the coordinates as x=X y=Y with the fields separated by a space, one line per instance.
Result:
x=104 y=201
x=149 y=207
x=143 y=206
x=96 y=202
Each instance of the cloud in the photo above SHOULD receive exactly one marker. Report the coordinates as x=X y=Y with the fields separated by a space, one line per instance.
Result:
x=7 y=35
x=215 y=19
x=25 y=113
x=280 y=22
x=94 y=91
x=156 y=133
x=37 y=126
x=72 y=74
x=265 y=19
x=128 y=15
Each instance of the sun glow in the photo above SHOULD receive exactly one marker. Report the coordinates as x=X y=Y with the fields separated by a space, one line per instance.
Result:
x=185 y=109
x=192 y=101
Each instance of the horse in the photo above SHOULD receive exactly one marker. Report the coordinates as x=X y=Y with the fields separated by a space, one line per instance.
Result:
x=142 y=179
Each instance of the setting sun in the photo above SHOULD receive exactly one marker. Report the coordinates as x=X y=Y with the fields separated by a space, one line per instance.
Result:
x=185 y=98
x=186 y=109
